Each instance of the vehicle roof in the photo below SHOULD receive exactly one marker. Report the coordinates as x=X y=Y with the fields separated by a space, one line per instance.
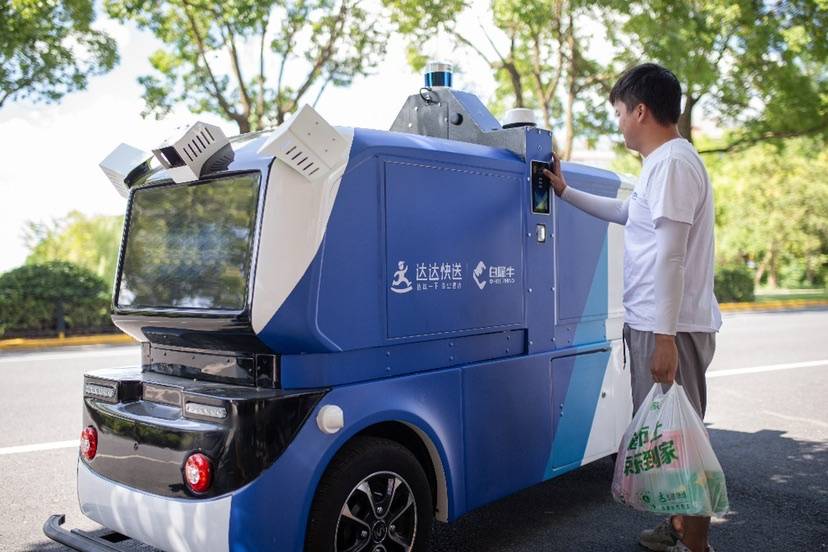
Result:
x=245 y=153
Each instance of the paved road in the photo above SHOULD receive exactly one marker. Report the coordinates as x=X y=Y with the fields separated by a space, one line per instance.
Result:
x=769 y=428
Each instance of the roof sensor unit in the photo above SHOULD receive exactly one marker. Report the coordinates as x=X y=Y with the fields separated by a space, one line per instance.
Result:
x=518 y=117
x=438 y=73
x=124 y=166
x=308 y=144
x=185 y=157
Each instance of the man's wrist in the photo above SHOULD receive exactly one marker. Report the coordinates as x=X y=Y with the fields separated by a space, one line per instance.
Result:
x=665 y=337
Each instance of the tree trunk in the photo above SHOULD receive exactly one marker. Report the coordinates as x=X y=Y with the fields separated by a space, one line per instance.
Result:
x=772 y=270
x=569 y=111
x=517 y=85
x=60 y=319
x=547 y=116
x=760 y=271
x=685 y=122
x=244 y=125
x=569 y=126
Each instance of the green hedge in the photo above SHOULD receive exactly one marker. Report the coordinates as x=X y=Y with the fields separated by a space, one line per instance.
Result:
x=33 y=296
x=734 y=283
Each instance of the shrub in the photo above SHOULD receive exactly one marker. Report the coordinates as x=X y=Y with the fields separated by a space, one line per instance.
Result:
x=734 y=283
x=799 y=273
x=32 y=297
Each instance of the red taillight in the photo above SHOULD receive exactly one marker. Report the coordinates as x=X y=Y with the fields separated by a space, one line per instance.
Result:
x=89 y=443
x=198 y=473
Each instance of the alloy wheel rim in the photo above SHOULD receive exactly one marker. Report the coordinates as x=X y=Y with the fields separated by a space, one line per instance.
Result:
x=379 y=515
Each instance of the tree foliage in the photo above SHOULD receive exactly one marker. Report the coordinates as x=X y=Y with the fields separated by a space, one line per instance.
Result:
x=33 y=296
x=537 y=52
x=760 y=68
x=48 y=49
x=90 y=242
x=207 y=45
x=771 y=209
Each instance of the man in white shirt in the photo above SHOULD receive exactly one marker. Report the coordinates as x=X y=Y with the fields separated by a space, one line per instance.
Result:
x=671 y=315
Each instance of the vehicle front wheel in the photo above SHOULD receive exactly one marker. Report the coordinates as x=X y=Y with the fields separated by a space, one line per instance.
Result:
x=374 y=497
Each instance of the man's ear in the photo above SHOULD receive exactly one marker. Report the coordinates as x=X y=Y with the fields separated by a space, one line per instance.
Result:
x=640 y=112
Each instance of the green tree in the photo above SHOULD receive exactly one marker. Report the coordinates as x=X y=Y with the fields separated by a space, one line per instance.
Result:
x=48 y=49
x=207 y=44
x=771 y=205
x=542 y=62
x=33 y=298
x=90 y=242
x=759 y=68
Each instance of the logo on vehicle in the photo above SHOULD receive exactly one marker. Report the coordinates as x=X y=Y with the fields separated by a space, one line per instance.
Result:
x=478 y=272
x=494 y=275
x=401 y=283
x=429 y=276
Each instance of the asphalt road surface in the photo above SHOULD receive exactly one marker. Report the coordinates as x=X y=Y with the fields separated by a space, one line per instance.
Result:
x=767 y=417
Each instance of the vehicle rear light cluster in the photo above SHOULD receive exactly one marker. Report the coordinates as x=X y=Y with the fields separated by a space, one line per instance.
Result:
x=198 y=473
x=89 y=442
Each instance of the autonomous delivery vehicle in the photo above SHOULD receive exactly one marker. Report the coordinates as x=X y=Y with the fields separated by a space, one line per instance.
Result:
x=349 y=333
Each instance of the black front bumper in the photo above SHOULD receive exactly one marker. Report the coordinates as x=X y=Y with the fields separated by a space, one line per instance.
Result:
x=81 y=540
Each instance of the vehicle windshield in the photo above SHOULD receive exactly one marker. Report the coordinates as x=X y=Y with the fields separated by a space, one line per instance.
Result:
x=189 y=246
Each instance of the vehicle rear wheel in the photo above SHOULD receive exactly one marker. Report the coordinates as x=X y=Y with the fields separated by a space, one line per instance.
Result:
x=374 y=497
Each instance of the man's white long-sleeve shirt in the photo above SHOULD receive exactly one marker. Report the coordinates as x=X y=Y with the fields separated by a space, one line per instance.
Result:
x=668 y=242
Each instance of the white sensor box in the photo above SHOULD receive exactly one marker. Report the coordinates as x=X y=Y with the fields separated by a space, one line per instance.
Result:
x=308 y=144
x=120 y=163
x=185 y=157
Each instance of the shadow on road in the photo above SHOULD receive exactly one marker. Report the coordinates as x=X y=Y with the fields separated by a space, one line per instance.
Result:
x=778 y=488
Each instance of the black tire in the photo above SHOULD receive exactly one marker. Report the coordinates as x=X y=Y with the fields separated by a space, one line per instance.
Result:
x=378 y=465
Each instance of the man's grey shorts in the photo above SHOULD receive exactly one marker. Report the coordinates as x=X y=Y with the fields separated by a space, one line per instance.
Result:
x=695 y=351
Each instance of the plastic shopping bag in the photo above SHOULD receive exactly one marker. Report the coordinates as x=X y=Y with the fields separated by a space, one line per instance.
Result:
x=665 y=462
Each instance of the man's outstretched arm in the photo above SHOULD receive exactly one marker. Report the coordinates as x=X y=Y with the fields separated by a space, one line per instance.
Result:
x=604 y=208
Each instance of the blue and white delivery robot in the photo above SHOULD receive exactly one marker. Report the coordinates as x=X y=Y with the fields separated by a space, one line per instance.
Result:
x=347 y=333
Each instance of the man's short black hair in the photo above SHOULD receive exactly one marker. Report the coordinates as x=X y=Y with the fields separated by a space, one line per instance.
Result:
x=654 y=86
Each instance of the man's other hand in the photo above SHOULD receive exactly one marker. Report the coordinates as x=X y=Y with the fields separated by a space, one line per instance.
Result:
x=555 y=176
x=664 y=363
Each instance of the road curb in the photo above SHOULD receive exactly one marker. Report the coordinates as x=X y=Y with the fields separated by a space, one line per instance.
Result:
x=105 y=339
x=793 y=304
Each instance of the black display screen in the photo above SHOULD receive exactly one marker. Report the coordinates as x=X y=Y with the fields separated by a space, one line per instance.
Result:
x=540 y=189
x=190 y=246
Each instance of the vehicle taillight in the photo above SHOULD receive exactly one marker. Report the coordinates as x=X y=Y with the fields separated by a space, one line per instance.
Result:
x=89 y=443
x=198 y=473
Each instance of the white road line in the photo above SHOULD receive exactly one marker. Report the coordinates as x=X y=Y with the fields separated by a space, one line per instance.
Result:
x=38 y=357
x=769 y=368
x=796 y=418
x=38 y=447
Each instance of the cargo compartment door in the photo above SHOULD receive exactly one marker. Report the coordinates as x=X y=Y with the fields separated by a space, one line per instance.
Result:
x=576 y=391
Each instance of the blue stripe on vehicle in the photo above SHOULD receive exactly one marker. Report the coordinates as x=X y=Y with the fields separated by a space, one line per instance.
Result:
x=581 y=376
